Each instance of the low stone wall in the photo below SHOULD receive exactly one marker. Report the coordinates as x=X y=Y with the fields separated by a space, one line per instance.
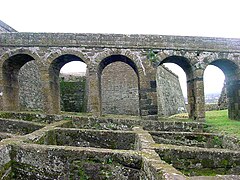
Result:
x=127 y=124
x=34 y=117
x=198 y=162
x=41 y=162
x=89 y=138
x=138 y=150
x=18 y=127
x=205 y=140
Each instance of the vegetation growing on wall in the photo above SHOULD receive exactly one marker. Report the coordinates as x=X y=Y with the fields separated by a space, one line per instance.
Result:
x=152 y=57
x=73 y=95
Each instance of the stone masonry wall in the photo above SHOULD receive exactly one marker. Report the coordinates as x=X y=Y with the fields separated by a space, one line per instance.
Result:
x=119 y=89
x=119 y=85
x=223 y=100
x=192 y=53
x=170 y=97
x=30 y=94
x=73 y=93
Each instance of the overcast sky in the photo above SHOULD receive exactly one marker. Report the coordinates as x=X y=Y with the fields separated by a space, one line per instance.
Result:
x=213 y=18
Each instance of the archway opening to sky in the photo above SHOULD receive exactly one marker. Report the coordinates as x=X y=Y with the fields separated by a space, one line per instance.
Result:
x=214 y=89
x=171 y=87
x=74 y=67
x=73 y=87
x=229 y=72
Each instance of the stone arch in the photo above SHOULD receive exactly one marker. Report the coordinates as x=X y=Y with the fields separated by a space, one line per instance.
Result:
x=28 y=51
x=55 y=54
x=10 y=65
x=180 y=58
x=114 y=58
x=224 y=61
x=136 y=61
x=126 y=89
x=227 y=64
x=55 y=61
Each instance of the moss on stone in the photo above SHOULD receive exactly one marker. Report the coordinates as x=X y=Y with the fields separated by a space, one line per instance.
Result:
x=199 y=172
x=6 y=172
x=73 y=95
x=207 y=163
x=51 y=138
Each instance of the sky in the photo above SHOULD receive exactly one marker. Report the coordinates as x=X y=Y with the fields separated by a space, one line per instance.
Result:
x=211 y=18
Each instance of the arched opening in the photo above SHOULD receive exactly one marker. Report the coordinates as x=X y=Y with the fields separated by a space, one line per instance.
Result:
x=172 y=90
x=221 y=82
x=68 y=83
x=10 y=72
x=119 y=85
x=214 y=80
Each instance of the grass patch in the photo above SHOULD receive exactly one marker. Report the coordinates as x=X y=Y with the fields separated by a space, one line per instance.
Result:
x=218 y=122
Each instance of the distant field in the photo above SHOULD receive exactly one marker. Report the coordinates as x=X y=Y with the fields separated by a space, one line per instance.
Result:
x=219 y=122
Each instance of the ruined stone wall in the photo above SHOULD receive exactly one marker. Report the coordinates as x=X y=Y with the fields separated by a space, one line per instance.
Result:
x=170 y=96
x=73 y=93
x=119 y=89
x=223 y=100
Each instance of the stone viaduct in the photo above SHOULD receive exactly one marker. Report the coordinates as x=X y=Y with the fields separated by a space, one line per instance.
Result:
x=51 y=51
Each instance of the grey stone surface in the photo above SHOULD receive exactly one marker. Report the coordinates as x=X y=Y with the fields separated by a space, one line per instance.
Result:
x=120 y=40
x=30 y=87
x=73 y=93
x=119 y=91
x=170 y=96
x=52 y=50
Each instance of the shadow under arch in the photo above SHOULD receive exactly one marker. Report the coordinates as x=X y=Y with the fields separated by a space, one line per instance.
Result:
x=106 y=62
x=181 y=61
x=185 y=64
x=231 y=72
x=10 y=71
x=114 y=58
x=228 y=67
x=53 y=74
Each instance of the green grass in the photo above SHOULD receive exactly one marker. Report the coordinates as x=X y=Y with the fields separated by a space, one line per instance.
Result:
x=219 y=123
